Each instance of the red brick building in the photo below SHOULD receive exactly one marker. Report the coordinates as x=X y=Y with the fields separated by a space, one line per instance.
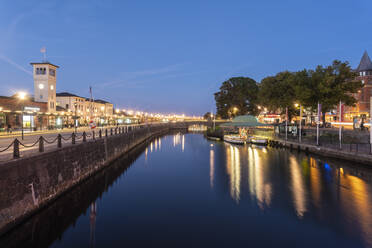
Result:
x=362 y=108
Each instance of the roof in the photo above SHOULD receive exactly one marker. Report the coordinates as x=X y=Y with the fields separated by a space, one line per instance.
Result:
x=365 y=63
x=44 y=63
x=67 y=94
x=244 y=121
x=98 y=101
x=61 y=94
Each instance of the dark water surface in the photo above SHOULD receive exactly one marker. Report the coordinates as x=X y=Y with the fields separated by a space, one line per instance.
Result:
x=185 y=191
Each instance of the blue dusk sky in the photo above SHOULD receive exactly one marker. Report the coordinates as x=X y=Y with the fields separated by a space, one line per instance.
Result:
x=171 y=56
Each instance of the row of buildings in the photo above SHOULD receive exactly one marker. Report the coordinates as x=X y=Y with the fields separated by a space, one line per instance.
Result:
x=46 y=109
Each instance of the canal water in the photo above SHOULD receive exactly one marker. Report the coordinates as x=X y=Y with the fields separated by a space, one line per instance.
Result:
x=182 y=190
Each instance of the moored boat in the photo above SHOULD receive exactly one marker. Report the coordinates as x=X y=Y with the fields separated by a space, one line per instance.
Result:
x=213 y=138
x=235 y=139
x=259 y=141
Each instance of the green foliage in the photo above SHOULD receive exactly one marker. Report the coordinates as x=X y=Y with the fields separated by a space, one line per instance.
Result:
x=237 y=96
x=207 y=116
x=278 y=92
x=325 y=85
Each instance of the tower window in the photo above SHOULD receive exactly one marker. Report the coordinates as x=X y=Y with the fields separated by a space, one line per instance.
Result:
x=40 y=71
x=52 y=72
x=41 y=96
x=52 y=87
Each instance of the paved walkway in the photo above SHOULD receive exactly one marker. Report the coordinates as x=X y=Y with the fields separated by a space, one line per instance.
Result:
x=50 y=135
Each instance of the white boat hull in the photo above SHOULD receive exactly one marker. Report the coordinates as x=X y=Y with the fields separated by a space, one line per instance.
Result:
x=234 y=139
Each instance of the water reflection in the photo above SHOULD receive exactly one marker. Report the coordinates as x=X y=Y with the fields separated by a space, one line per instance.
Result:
x=259 y=186
x=305 y=199
x=92 y=218
x=211 y=166
x=298 y=187
x=355 y=201
x=233 y=170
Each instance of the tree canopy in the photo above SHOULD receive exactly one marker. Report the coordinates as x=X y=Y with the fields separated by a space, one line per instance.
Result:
x=327 y=85
x=237 y=96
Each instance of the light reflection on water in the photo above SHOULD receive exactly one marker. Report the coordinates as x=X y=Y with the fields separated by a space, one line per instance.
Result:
x=222 y=195
x=309 y=180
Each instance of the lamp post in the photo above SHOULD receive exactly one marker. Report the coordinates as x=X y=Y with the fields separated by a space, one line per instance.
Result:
x=300 y=126
x=286 y=124
x=21 y=97
x=75 y=119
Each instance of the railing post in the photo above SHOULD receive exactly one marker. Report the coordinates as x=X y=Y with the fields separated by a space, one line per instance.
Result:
x=100 y=134
x=59 y=140
x=94 y=135
x=106 y=132
x=73 y=138
x=84 y=136
x=116 y=130
x=41 y=144
x=16 y=149
x=111 y=132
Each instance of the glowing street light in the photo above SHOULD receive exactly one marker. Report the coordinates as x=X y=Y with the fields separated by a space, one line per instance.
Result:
x=22 y=96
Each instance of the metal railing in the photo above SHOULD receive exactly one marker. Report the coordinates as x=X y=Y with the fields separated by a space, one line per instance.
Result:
x=351 y=141
x=16 y=144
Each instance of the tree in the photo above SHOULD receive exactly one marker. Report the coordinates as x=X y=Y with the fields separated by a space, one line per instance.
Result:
x=278 y=93
x=328 y=86
x=237 y=96
x=207 y=116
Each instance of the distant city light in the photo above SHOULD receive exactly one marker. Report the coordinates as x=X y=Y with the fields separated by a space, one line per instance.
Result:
x=22 y=95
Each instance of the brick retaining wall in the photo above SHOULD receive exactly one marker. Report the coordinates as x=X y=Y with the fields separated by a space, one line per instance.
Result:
x=27 y=184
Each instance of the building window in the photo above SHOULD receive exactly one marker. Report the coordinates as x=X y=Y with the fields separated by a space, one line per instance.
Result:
x=66 y=106
x=40 y=71
x=52 y=72
x=41 y=96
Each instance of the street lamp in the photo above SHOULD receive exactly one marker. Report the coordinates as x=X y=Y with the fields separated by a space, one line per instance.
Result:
x=22 y=97
x=75 y=121
x=300 y=134
x=102 y=113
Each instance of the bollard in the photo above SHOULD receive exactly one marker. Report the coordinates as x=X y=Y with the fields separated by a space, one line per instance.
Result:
x=59 y=141
x=106 y=132
x=41 y=144
x=94 y=135
x=100 y=134
x=73 y=138
x=111 y=132
x=16 y=149
x=84 y=136
x=116 y=131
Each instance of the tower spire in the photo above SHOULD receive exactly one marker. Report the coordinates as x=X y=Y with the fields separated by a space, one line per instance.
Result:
x=365 y=63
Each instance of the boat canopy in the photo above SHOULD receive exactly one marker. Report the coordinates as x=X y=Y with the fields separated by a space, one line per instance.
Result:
x=244 y=121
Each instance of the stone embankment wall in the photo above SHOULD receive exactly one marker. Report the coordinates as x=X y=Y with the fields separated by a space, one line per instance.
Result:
x=27 y=184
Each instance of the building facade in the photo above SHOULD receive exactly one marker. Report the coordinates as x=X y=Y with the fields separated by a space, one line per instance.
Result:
x=48 y=110
x=86 y=110
x=362 y=108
